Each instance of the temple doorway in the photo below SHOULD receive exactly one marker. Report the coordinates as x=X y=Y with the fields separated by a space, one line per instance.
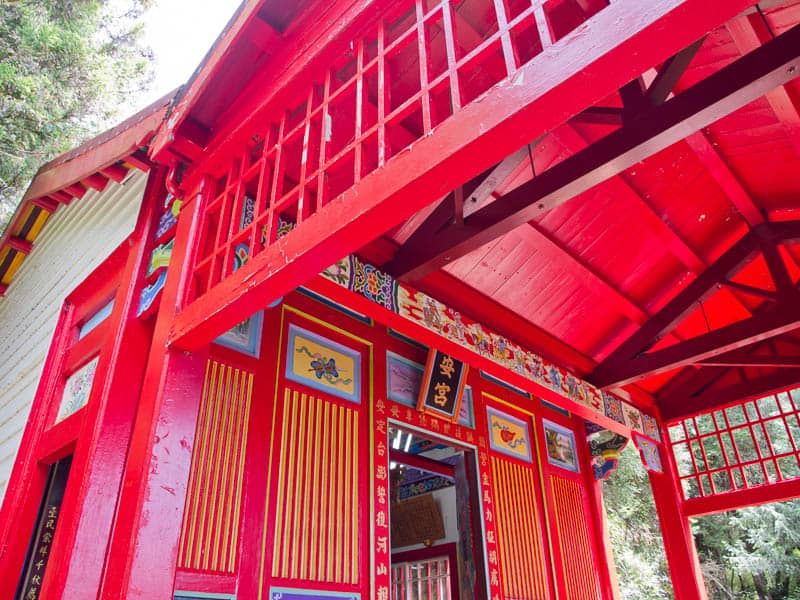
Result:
x=435 y=518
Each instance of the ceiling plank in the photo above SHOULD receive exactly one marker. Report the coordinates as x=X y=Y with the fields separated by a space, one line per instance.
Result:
x=723 y=92
x=749 y=33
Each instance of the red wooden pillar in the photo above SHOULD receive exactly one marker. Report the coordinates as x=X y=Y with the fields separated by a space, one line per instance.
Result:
x=684 y=565
x=88 y=511
x=142 y=556
x=605 y=556
x=596 y=522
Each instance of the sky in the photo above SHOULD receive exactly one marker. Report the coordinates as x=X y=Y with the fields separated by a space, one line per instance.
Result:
x=181 y=32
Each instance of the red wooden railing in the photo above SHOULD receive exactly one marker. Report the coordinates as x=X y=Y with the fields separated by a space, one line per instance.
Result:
x=414 y=68
x=746 y=446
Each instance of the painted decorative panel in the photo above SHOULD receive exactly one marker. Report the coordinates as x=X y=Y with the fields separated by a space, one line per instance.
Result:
x=575 y=543
x=244 y=337
x=650 y=454
x=522 y=555
x=560 y=446
x=316 y=535
x=277 y=593
x=403 y=379
x=323 y=364
x=509 y=435
x=210 y=532
x=77 y=390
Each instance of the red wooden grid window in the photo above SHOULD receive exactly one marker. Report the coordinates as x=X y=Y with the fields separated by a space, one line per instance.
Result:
x=743 y=446
x=421 y=62
x=422 y=580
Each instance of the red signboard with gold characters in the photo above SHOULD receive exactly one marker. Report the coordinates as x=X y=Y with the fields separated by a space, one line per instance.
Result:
x=442 y=386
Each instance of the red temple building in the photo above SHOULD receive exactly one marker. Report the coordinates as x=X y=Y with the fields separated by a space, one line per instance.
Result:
x=368 y=308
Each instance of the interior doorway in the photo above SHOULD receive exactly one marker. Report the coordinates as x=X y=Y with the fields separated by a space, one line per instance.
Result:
x=435 y=519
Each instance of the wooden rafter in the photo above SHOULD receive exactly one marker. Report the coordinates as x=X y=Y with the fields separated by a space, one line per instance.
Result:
x=632 y=361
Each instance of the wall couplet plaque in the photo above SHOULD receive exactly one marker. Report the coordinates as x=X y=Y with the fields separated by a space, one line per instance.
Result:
x=30 y=584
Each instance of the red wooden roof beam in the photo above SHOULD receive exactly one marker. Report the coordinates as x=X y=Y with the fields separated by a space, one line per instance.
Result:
x=46 y=203
x=116 y=172
x=96 y=181
x=19 y=244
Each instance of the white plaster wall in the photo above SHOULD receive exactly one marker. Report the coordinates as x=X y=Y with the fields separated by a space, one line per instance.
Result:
x=74 y=242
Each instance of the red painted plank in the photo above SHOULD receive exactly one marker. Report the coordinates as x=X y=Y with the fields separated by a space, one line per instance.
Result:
x=773 y=492
x=45 y=203
x=19 y=244
x=96 y=181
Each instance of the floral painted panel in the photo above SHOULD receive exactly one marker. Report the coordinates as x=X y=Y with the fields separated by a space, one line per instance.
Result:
x=76 y=390
x=323 y=364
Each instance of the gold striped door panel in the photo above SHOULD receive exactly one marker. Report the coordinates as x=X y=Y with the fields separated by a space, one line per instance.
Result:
x=576 y=546
x=316 y=510
x=519 y=530
x=210 y=532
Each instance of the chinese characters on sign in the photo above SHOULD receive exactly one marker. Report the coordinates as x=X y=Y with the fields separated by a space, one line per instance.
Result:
x=42 y=539
x=442 y=385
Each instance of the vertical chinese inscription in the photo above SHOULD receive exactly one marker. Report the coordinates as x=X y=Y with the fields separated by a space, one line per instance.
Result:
x=442 y=385
x=30 y=585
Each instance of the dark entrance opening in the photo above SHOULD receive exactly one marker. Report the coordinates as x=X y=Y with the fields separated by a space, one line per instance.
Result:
x=435 y=518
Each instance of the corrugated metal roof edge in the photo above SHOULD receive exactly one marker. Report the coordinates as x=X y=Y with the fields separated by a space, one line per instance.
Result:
x=107 y=156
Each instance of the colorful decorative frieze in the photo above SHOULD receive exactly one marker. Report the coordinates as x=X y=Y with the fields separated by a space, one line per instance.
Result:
x=421 y=309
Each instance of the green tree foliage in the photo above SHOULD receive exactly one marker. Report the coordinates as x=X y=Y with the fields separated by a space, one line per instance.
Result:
x=753 y=553
x=67 y=68
x=748 y=554
x=634 y=531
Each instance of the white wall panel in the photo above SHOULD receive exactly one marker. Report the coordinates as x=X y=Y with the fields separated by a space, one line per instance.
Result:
x=72 y=244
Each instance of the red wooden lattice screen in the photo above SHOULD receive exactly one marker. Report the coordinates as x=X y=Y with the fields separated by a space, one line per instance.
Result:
x=427 y=579
x=418 y=65
x=740 y=447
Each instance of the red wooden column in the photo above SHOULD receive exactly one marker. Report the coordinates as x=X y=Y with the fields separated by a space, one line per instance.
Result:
x=88 y=513
x=607 y=569
x=684 y=566
x=142 y=555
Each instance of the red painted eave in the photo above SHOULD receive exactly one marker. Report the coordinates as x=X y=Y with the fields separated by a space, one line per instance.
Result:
x=189 y=94
x=110 y=155
x=106 y=149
